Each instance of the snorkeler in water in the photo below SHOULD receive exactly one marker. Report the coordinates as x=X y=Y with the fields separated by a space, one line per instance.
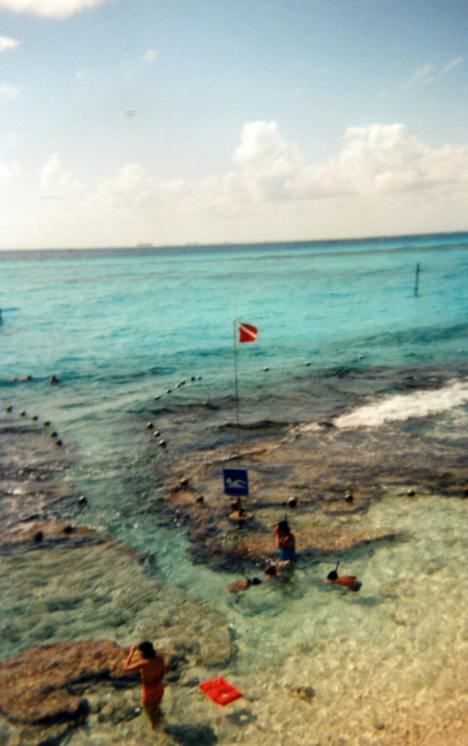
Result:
x=242 y=585
x=348 y=581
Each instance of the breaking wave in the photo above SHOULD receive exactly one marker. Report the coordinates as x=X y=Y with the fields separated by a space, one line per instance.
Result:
x=405 y=406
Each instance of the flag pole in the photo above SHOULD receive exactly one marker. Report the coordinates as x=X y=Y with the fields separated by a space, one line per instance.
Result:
x=236 y=384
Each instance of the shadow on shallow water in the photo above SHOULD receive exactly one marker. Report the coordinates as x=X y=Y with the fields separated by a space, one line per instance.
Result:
x=192 y=735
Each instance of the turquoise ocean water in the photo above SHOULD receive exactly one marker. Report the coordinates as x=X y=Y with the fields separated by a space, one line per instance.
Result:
x=342 y=337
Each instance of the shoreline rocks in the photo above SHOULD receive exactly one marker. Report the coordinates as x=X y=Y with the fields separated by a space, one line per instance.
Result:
x=43 y=686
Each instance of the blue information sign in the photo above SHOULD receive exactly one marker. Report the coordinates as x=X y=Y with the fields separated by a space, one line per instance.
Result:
x=236 y=482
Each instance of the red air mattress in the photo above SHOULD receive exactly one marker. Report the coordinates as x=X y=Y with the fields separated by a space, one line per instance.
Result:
x=220 y=691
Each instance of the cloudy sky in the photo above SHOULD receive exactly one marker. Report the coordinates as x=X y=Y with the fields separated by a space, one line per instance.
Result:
x=178 y=121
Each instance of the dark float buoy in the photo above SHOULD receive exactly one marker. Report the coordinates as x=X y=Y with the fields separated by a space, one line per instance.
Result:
x=349 y=497
x=149 y=426
x=82 y=501
x=292 y=502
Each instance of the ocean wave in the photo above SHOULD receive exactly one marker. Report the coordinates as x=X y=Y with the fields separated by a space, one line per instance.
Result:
x=404 y=406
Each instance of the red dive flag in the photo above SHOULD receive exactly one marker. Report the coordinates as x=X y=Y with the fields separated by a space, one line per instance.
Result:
x=247 y=332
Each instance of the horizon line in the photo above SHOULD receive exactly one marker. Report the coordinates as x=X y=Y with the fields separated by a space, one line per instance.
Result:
x=213 y=244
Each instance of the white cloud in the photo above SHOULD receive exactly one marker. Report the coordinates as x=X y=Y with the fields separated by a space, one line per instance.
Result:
x=452 y=65
x=375 y=159
x=379 y=169
x=8 y=173
x=422 y=77
x=55 y=182
x=50 y=8
x=6 y=43
x=135 y=65
x=382 y=179
x=268 y=164
x=8 y=92
x=428 y=74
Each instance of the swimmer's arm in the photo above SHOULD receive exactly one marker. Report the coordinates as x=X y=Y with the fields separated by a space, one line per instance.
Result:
x=137 y=665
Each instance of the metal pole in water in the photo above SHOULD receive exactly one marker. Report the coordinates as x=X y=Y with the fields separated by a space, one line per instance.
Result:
x=416 y=282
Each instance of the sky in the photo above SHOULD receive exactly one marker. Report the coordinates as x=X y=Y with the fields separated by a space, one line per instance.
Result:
x=210 y=121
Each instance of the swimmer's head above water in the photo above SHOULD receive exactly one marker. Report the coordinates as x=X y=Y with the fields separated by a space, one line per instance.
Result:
x=334 y=574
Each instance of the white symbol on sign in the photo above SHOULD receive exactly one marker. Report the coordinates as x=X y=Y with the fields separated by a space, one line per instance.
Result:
x=236 y=483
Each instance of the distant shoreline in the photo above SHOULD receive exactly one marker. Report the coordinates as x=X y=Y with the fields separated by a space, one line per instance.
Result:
x=144 y=249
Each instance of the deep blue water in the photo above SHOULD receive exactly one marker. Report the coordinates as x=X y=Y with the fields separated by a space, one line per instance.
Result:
x=108 y=317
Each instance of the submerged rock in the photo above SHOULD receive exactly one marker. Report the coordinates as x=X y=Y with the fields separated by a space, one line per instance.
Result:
x=305 y=693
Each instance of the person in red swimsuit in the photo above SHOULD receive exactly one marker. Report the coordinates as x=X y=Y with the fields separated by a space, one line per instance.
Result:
x=151 y=666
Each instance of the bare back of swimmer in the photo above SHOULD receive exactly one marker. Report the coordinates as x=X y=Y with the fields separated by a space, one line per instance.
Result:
x=151 y=666
x=242 y=585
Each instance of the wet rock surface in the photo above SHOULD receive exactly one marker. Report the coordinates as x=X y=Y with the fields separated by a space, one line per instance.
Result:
x=309 y=473
x=323 y=523
x=44 y=685
x=30 y=470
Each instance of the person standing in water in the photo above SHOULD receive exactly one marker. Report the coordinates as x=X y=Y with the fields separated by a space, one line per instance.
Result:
x=151 y=667
x=285 y=541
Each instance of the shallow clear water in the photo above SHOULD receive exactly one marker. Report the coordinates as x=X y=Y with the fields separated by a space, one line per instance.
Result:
x=118 y=330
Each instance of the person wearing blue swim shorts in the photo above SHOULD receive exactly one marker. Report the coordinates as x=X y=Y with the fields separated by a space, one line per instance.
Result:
x=285 y=542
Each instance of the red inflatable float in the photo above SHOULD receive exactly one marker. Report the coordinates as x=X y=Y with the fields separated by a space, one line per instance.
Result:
x=220 y=691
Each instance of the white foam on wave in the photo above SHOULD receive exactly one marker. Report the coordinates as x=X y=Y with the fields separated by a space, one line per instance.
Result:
x=405 y=406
